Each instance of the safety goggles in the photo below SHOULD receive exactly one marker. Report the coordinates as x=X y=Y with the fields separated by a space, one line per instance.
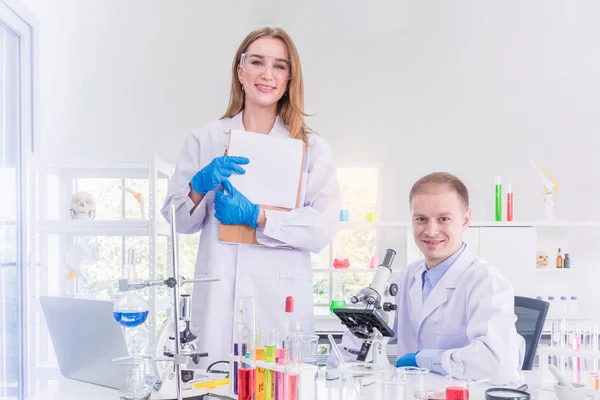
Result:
x=257 y=64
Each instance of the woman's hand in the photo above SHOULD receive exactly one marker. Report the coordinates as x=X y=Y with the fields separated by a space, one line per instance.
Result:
x=234 y=208
x=217 y=172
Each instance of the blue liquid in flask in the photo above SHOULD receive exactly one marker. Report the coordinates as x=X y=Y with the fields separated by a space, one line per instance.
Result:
x=131 y=319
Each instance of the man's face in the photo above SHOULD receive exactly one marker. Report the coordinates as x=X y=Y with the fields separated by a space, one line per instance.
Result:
x=439 y=218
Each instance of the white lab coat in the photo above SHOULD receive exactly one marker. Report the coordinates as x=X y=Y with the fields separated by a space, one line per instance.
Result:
x=469 y=313
x=269 y=273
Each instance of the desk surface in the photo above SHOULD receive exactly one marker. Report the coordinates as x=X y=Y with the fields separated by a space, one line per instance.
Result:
x=67 y=389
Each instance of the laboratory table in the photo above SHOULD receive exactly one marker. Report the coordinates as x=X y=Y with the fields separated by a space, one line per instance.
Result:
x=67 y=389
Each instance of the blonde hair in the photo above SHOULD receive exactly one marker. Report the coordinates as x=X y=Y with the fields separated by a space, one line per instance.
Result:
x=291 y=106
x=441 y=178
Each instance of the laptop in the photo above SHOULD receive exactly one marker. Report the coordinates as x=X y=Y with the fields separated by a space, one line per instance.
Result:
x=86 y=339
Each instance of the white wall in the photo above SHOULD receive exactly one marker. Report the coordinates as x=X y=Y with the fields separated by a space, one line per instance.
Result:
x=474 y=88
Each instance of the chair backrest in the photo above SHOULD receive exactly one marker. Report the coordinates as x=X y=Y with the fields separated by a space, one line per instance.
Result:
x=531 y=314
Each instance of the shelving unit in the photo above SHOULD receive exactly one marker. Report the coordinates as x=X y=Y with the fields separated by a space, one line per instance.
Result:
x=52 y=185
x=103 y=228
x=553 y=270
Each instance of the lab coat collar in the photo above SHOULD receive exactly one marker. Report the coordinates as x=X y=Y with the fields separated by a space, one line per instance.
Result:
x=278 y=129
x=439 y=294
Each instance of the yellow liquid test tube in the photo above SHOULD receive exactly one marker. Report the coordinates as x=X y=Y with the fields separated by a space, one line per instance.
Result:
x=261 y=393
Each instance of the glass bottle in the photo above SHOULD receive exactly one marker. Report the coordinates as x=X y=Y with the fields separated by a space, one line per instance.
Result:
x=131 y=311
x=559 y=259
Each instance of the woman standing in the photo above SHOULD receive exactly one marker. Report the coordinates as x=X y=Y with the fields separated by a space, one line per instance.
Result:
x=267 y=96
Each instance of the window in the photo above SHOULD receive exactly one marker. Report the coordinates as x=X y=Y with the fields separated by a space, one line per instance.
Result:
x=16 y=113
x=107 y=255
x=356 y=242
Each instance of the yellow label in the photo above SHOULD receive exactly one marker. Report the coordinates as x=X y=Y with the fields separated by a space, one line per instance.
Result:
x=261 y=393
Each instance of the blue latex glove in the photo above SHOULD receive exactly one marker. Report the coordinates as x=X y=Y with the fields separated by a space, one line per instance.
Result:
x=407 y=360
x=217 y=172
x=234 y=208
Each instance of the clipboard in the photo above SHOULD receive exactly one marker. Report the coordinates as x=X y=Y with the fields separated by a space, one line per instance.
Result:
x=245 y=234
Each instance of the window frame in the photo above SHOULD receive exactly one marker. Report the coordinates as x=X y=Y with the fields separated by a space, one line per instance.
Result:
x=18 y=19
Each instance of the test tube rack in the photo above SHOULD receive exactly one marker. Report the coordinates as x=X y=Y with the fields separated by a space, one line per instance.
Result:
x=307 y=376
x=575 y=365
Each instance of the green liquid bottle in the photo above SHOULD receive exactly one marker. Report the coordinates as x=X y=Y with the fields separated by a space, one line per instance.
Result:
x=498 y=199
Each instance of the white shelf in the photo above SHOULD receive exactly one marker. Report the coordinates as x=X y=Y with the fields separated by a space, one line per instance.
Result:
x=372 y=225
x=344 y=271
x=474 y=224
x=541 y=224
x=102 y=228
x=553 y=270
x=132 y=169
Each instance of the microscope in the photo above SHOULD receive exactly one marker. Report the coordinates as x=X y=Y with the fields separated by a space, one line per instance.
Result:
x=369 y=323
x=187 y=340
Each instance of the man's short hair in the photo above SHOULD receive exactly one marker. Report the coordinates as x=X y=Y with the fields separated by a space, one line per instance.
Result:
x=441 y=178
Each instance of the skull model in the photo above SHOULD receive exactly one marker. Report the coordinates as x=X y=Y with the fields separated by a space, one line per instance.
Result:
x=542 y=260
x=83 y=206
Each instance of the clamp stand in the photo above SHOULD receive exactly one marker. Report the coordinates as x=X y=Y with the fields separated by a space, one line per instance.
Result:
x=180 y=356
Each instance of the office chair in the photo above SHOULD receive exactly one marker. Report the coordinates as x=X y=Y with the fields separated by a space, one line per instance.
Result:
x=531 y=315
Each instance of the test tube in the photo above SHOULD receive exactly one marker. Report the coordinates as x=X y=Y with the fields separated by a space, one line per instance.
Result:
x=563 y=344
x=594 y=381
x=279 y=376
x=233 y=383
x=270 y=337
x=246 y=340
x=576 y=346
x=554 y=342
x=292 y=366
x=595 y=344
x=260 y=372
x=246 y=370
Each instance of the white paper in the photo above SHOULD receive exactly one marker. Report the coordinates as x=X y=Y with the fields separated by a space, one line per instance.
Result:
x=273 y=174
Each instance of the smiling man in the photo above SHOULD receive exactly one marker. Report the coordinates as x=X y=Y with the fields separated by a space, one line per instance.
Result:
x=455 y=311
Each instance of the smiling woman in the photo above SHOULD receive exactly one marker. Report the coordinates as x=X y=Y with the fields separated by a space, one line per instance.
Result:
x=267 y=97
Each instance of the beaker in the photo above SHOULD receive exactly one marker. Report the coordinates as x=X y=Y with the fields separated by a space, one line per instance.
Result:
x=135 y=387
x=393 y=388
x=416 y=381
x=361 y=380
x=309 y=345
x=456 y=389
